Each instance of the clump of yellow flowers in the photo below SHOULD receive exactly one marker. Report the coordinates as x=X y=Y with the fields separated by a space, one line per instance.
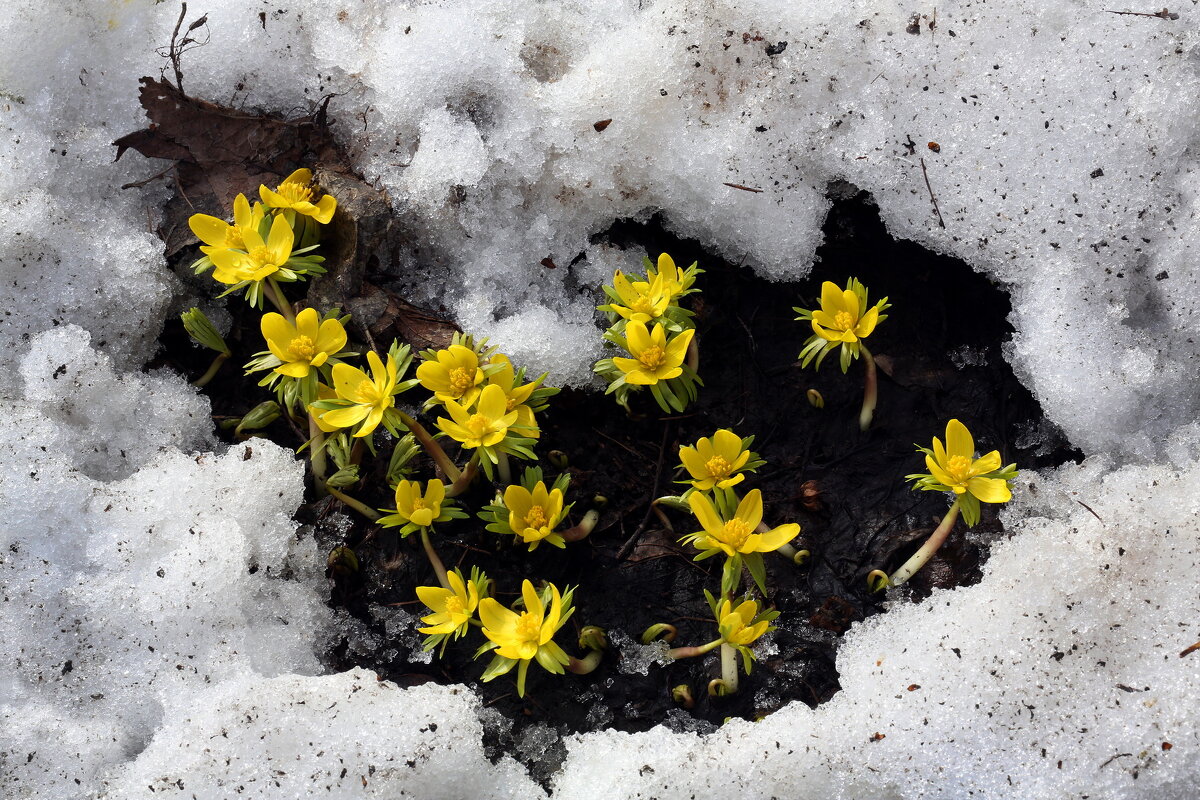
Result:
x=844 y=319
x=656 y=333
x=953 y=468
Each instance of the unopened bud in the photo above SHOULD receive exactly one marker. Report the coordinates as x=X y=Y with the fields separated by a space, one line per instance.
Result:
x=815 y=399
x=342 y=561
x=593 y=638
x=200 y=328
x=347 y=476
x=260 y=416
x=682 y=695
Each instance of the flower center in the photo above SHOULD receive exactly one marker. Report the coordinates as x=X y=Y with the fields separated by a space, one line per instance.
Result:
x=642 y=305
x=529 y=627
x=294 y=192
x=718 y=467
x=536 y=517
x=419 y=504
x=302 y=348
x=735 y=533
x=478 y=424
x=461 y=379
x=653 y=357
x=845 y=320
x=368 y=392
x=455 y=605
x=959 y=468
x=262 y=256
x=233 y=238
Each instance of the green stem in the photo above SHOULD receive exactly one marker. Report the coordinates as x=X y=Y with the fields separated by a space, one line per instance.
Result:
x=503 y=469
x=357 y=505
x=213 y=368
x=276 y=296
x=927 y=550
x=870 y=389
x=690 y=652
x=436 y=562
x=434 y=449
x=316 y=451
x=464 y=479
x=729 y=668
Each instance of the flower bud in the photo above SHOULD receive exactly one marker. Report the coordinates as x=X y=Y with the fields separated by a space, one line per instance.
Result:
x=200 y=328
x=815 y=399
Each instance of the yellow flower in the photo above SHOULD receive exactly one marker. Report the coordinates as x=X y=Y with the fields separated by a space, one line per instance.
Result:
x=486 y=426
x=323 y=393
x=674 y=279
x=261 y=259
x=307 y=344
x=534 y=515
x=955 y=467
x=516 y=396
x=737 y=535
x=452 y=608
x=455 y=375
x=520 y=638
x=654 y=358
x=370 y=396
x=715 y=462
x=295 y=194
x=842 y=316
x=640 y=301
x=419 y=509
x=737 y=625
x=217 y=234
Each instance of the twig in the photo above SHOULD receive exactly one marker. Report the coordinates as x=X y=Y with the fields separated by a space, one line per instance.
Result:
x=932 y=199
x=632 y=541
x=173 y=53
x=1164 y=14
x=140 y=184
x=1089 y=508
x=743 y=188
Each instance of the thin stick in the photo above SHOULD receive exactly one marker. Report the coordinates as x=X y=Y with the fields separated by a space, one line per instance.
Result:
x=1164 y=14
x=743 y=188
x=173 y=53
x=932 y=199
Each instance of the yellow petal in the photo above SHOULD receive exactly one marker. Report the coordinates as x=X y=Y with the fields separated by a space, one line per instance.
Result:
x=637 y=337
x=990 y=490
x=435 y=492
x=986 y=464
x=422 y=517
x=706 y=515
x=496 y=618
x=727 y=444
x=533 y=603
x=307 y=323
x=831 y=298
x=276 y=329
x=243 y=217
x=346 y=380
x=492 y=402
x=280 y=240
x=850 y=303
x=301 y=176
x=325 y=208
x=778 y=537
x=294 y=369
x=345 y=417
x=374 y=416
x=331 y=337
x=434 y=597
x=692 y=461
x=750 y=510
x=209 y=230
x=958 y=440
x=867 y=324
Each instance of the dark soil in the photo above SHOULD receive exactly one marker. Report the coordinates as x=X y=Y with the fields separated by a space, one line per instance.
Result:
x=940 y=353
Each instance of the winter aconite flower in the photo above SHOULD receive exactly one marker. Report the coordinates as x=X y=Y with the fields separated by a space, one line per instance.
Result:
x=296 y=194
x=486 y=426
x=533 y=515
x=654 y=358
x=455 y=375
x=452 y=608
x=366 y=397
x=421 y=509
x=675 y=280
x=261 y=260
x=716 y=462
x=954 y=468
x=737 y=535
x=307 y=344
x=743 y=625
x=640 y=301
x=217 y=234
x=515 y=395
x=843 y=320
x=521 y=637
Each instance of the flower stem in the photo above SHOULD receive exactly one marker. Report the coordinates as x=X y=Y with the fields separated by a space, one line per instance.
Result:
x=585 y=526
x=213 y=368
x=276 y=296
x=434 y=449
x=357 y=505
x=693 y=354
x=464 y=479
x=502 y=468
x=691 y=652
x=729 y=668
x=582 y=666
x=870 y=389
x=436 y=562
x=316 y=451
x=927 y=550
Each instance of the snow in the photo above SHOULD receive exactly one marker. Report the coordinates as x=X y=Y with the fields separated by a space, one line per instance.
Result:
x=163 y=617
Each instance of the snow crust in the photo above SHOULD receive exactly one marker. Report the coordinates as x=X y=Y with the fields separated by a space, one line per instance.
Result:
x=163 y=618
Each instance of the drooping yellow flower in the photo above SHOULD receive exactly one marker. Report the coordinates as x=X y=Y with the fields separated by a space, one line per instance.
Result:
x=455 y=375
x=737 y=625
x=261 y=259
x=296 y=193
x=715 y=462
x=534 y=515
x=955 y=467
x=519 y=638
x=486 y=426
x=640 y=301
x=217 y=234
x=737 y=535
x=370 y=396
x=417 y=508
x=654 y=358
x=516 y=396
x=452 y=608
x=842 y=316
x=307 y=344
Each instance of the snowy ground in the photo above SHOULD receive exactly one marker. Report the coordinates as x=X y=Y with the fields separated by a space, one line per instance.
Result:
x=150 y=638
